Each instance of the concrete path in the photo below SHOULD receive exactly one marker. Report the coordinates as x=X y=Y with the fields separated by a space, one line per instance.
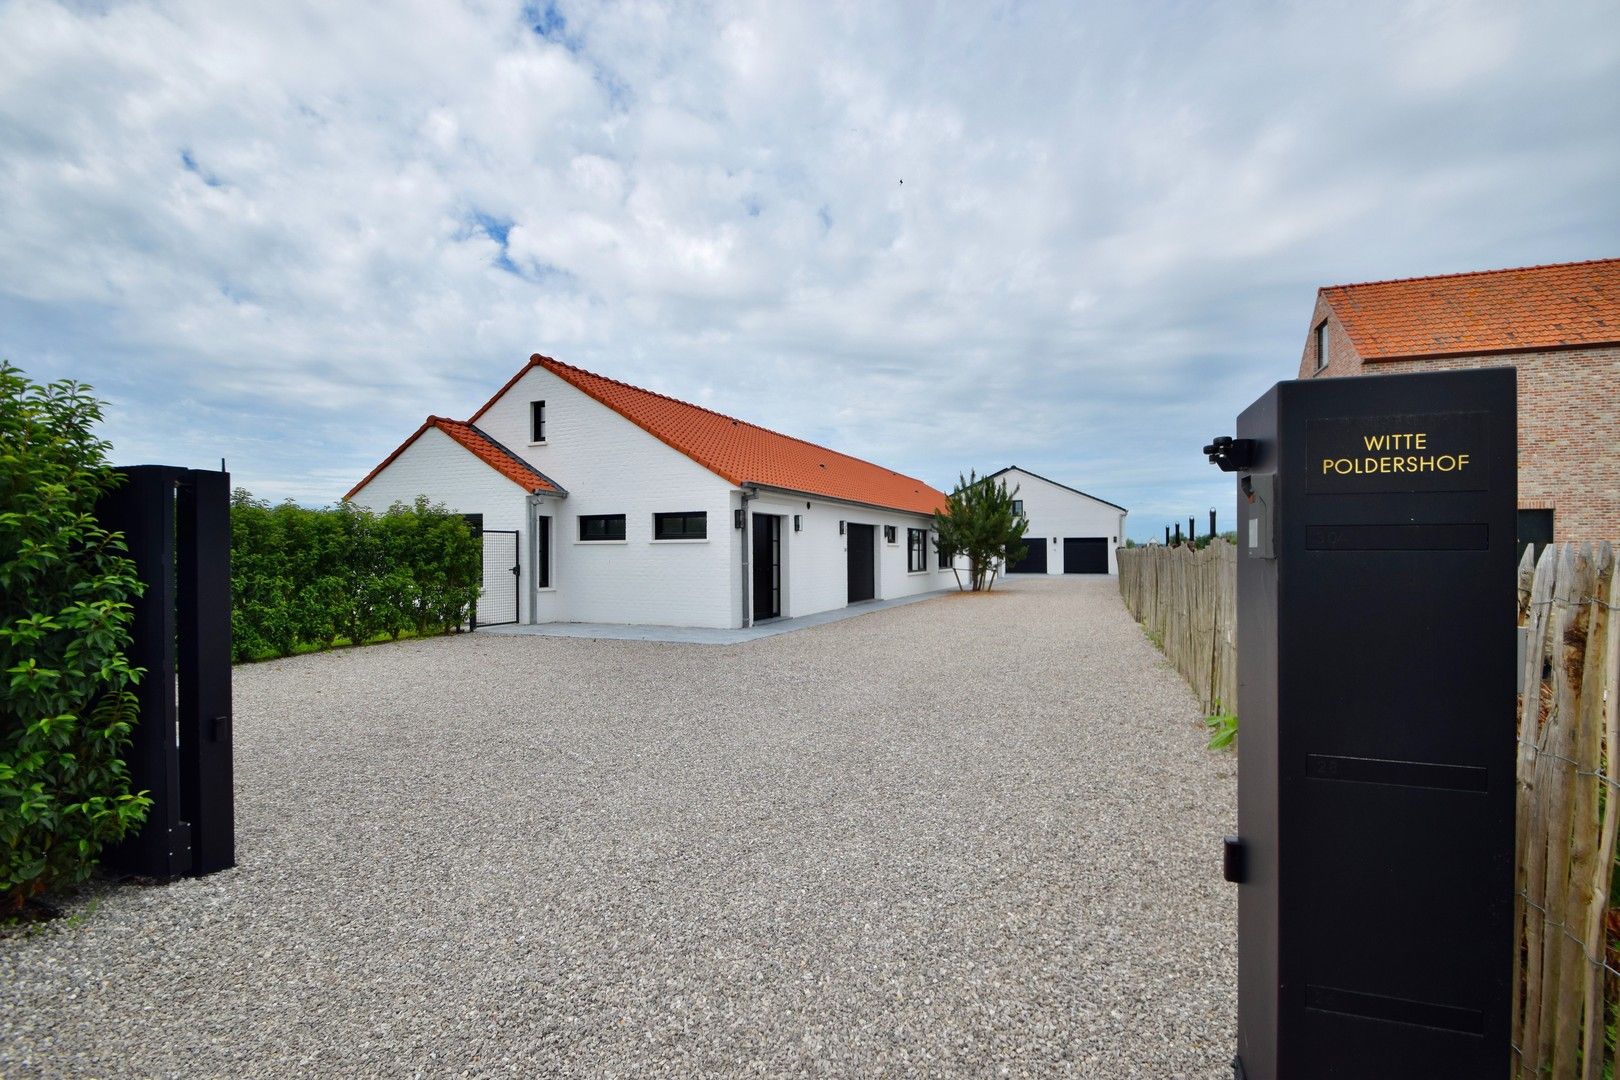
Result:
x=977 y=836
x=697 y=635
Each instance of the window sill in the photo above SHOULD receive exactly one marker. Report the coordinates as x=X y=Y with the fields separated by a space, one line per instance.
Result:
x=703 y=541
x=541 y=442
x=546 y=588
x=917 y=573
x=599 y=543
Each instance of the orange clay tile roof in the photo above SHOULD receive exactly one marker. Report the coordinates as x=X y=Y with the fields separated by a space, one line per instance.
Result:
x=482 y=447
x=745 y=453
x=1568 y=305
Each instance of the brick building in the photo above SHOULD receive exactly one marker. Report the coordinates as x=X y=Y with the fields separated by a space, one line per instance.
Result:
x=1559 y=325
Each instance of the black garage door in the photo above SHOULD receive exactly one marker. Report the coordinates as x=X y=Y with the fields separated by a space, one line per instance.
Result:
x=862 y=562
x=1085 y=555
x=1034 y=560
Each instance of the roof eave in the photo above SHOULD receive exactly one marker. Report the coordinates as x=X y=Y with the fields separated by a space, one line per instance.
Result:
x=1054 y=483
x=816 y=495
x=1512 y=350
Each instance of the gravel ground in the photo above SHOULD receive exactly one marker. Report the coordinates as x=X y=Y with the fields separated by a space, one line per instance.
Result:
x=975 y=836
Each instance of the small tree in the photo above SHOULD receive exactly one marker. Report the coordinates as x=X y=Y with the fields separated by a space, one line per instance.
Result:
x=66 y=709
x=978 y=523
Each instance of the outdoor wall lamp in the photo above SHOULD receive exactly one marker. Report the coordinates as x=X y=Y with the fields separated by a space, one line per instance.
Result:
x=798 y=522
x=737 y=518
x=840 y=528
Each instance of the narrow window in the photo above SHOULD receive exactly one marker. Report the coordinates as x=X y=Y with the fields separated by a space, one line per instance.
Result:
x=1018 y=508
x=1321 y=345
x=542 y=552
x=686 y=525
x=537 y=421
x=601 y=526
x=916 y=550
x=944 y=554
x=891 y=534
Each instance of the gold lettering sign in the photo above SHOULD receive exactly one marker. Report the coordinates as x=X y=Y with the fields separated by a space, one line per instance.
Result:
x=1434 y=452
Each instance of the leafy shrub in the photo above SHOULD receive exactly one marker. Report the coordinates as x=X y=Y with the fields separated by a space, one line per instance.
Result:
x=1223 y=728
x=66 y=708
x=304 y=579
x=978 y=523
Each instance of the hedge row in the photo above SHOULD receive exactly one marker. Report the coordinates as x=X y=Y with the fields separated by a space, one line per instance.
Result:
x=305 y=579
x=66 y=587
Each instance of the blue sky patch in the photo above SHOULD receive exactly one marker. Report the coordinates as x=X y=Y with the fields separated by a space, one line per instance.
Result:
x=191 y=166
x=546 y=21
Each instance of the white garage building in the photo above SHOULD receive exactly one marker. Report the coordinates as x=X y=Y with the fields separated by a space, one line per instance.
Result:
x=1070 y=532
x=606 y=503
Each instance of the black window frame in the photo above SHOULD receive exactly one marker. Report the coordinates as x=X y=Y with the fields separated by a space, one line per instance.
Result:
x=607 y=520
x=684 y=518
x=1018 y=508
x=891 y=534
x=1319 y=339
x=537 y=421
x=542 y=551
x=944 y=554
x=916 y=551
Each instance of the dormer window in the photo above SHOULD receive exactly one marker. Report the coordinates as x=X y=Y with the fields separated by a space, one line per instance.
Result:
x=537 y=421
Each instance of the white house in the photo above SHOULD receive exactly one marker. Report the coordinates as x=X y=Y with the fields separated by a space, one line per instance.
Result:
x=1070 y=532
x=602 y=502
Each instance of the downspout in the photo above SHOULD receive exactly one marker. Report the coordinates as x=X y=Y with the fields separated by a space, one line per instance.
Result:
x=534 y=553
x=749 y=493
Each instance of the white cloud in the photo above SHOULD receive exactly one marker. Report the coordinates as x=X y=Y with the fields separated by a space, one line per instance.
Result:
x=285 y=233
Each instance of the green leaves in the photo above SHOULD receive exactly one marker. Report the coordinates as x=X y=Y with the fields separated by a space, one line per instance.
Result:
x=65 y=609
x=978 y=523
x=1223 y=729
x=301 y=579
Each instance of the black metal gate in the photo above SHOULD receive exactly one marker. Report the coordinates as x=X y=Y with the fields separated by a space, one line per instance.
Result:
x=176 y=523
x=503 y=571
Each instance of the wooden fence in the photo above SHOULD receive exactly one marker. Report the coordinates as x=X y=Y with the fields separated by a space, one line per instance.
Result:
x=1569 y=729
x=1566 y=996
x=1187 y=599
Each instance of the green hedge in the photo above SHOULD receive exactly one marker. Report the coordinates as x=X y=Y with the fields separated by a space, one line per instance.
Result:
x=66 y=708
x=305 y=579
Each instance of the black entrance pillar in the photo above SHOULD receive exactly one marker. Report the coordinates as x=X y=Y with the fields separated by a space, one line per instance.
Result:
x=1376 y=612
x=176 y=523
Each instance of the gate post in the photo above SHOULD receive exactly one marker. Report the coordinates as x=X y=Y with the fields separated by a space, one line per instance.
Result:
x=176 y=524
x=1376 y=782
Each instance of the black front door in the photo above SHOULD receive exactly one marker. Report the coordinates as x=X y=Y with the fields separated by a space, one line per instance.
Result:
x=861 y=542
x=1535 y=527
x=1034 y=560
x=767 y=557
x=1085 y=555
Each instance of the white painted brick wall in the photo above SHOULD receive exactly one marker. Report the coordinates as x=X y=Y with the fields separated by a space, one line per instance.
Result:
x=611 y=466
x=815 y=560
x=446 y=472
x=1055 y=511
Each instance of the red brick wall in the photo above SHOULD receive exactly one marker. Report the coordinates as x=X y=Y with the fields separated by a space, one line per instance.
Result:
x=1569 y=424
x=1342 y=357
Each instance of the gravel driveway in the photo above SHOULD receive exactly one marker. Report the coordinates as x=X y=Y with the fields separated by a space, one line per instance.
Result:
x=974 y=836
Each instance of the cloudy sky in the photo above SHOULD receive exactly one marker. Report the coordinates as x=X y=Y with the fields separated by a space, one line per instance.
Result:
x=284 y=233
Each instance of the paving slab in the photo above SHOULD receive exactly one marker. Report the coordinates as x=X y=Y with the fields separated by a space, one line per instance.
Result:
x=700 y=635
